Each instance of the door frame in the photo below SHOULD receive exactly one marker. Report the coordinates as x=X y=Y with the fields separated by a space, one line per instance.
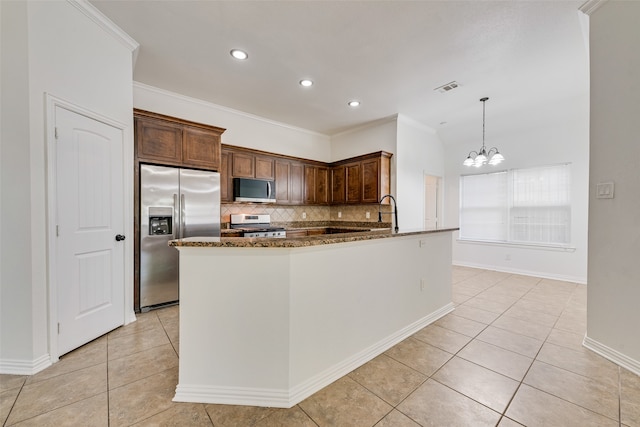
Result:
x=51 y=103
x=439 y=198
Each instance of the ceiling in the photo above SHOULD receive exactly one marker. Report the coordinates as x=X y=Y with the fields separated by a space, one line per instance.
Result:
x=390 y=55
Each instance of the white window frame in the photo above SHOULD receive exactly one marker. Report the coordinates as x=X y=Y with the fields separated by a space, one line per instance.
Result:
x=556 y=207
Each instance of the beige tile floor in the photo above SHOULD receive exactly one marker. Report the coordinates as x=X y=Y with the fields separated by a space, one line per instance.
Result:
x=509 y=355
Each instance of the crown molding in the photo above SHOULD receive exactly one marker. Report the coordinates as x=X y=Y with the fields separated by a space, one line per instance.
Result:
x=107 y=25
x=373 y=123
x=591 y=6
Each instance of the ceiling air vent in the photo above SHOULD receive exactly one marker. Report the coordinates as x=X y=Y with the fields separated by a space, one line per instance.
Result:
x=446 y=88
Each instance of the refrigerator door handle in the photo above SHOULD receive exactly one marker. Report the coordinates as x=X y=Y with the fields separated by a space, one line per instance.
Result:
x=183 y=208
x=175 y=217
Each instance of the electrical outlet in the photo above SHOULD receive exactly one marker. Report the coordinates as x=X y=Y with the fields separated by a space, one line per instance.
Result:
x=423 y=243
x=423 y=284
x=339 y=214
x=304 y=215
x=368 y=215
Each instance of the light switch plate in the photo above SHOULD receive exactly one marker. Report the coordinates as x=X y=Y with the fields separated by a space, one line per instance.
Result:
x=604 y=190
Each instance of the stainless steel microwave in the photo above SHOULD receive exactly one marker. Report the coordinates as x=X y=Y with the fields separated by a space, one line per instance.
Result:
x=254 y=190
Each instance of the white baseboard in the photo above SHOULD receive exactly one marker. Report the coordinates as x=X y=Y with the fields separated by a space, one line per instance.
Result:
x=541 y=274
x=24 y=367
x=232 y=396
x=288 y=398
x=613 y=355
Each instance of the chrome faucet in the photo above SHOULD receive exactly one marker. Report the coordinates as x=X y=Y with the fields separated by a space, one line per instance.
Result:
x=395 y=210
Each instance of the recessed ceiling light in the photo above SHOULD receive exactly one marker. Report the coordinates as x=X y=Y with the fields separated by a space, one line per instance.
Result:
x=306 y=82
x=239 y=54
x=354 y=103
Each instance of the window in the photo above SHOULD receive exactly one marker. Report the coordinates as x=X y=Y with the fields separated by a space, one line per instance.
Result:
x=517 y=206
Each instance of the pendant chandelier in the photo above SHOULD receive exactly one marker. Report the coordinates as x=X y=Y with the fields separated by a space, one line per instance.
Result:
x=481 y=157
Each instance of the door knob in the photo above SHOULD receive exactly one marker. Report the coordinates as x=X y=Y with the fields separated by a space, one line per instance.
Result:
x=119 y=237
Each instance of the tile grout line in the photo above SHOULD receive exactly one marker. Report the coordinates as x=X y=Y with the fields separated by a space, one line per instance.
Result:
x=437 y=370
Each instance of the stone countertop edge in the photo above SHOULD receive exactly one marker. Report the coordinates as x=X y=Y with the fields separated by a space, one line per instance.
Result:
x=296 y=242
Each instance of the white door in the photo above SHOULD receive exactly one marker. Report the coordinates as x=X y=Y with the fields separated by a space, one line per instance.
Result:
x=90 y=223
x=431 y=208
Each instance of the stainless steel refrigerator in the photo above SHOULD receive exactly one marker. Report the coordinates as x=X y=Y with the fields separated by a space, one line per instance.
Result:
x=174 y=203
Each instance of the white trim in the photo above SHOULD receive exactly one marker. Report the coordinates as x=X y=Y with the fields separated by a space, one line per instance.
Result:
x=591 y=6
x=25 y=367
x=542 y=246
x=615 y=356
x=233 y=396
x=208 y=104
x=541 y=274
x=373 y=123
x=288 y=398
x=51 y=103
x=107 y=25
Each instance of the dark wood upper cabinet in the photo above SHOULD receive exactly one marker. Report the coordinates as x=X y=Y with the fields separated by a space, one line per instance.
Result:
x=322 y=185
x=338 y=185
x=226 y=190
x=283 y=171
x=366 y=178
x=289 y=177
x=370 y=181
x=354 y=183
x=264 y=167
x=172 y=141
x=362 y=179
x=242 y=165
x=158 y=140
x=296 y=180
x=200 y=148
x=309 y=184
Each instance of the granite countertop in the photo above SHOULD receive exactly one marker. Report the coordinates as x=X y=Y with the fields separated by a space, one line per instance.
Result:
x=297 y=242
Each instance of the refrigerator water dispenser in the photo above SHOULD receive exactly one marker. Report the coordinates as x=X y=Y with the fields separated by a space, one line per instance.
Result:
x=160 y=221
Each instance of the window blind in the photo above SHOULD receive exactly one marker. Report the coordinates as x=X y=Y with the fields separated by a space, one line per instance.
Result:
x=521 y=205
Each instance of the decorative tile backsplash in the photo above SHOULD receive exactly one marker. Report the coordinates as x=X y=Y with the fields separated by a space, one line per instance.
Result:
x=281 y=213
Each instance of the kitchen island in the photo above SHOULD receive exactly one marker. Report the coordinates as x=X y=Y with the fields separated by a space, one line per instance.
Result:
x=268 y=322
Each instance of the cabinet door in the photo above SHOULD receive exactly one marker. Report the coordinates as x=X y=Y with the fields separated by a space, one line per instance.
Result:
x=338 y=185
x=370 y=181
x=226 y=192
x=322 y=185
x=158 y=141
x=264 y=167
x=200 y=148
x=309 y=184
x=242 y=165
x=354 y=183
x=296 y=183
x=283 y=170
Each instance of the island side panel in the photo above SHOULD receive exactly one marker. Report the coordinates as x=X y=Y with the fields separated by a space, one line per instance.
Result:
x=234 y=322
x=350 y=301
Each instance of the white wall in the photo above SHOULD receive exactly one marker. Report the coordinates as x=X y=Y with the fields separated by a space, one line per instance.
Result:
x=52 y=47
x=15 y=231
x=380 y=135
x=613 y=314
x=558 y=133
x=419 y=152
x=244 y=130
